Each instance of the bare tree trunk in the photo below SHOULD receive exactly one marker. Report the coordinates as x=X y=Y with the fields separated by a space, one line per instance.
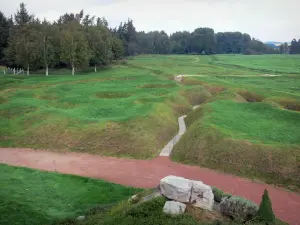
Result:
x=47 y=72
x=95 y=68
x=27 y=69
x=73 y=69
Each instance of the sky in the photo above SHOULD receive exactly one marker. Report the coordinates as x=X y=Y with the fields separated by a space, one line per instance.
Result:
x=267 y=20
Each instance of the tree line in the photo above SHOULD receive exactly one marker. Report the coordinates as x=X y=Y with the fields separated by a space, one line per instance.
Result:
x=78 y=40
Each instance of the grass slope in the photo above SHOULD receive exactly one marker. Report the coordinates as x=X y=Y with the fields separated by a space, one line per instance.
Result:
x=251 y=121
x=114 y=112
x=31 y=197
x=151 y=212
x=248 y=139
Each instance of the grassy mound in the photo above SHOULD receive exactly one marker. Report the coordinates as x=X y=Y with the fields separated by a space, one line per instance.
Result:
x=151 y=212
x=117 y=112
x=249 y=139
x=31 y=197
x=257 y=122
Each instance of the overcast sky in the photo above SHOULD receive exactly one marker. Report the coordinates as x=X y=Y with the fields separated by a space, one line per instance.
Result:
x=267 y=20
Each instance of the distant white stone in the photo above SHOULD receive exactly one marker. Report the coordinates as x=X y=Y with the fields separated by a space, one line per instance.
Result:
x=179 y=78
x=174 y=208
x=202 y=195
x=80 y=218
x=176 y=188
x=196 y=106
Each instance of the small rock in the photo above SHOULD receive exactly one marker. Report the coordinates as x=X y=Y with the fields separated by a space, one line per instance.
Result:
x=133 y=198
x=80 y=218
x=151 y=196
x=176 y=188
x=202 y=195
x=216 y=207
x=174 y=208
x=196 y=107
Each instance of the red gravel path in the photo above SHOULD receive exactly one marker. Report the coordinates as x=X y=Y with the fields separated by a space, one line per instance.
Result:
x=147 y=173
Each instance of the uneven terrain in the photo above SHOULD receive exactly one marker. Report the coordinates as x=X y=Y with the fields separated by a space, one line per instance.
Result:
x=247 y=123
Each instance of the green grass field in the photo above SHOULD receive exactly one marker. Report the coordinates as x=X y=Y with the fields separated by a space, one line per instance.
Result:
x=264 y=63
x=113 y=112
x=31 y=197
x=131 y=110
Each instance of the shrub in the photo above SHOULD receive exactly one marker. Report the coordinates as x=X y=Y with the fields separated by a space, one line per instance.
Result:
x=219 y=194
x=265 y=212
x=238 y=208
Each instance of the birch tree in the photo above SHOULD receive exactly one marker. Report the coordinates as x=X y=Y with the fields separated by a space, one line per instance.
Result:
x=27 y=47
x=47 y=40
x=74 y=47
x=100 y=44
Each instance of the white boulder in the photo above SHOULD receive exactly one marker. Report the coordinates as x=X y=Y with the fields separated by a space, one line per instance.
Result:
x=176 y=188
x=174 y=208
x=202 y=195
x=80 y=218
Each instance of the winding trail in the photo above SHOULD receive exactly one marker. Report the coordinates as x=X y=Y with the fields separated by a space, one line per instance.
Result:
x=166 y=151
x=147 y=173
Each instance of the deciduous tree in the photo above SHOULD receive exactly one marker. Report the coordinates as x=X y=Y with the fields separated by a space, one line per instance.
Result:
x=74 y=46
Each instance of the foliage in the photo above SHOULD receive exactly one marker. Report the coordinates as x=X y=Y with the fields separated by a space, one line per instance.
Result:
x=4 y=33
x=71 y=41
x=100 y=44
x=219 y=194
x=265 y=212
x=295 y=47
x=145 y=213
x=149 y=212
x=239 y=208
x=74 y=46
x=33 y=197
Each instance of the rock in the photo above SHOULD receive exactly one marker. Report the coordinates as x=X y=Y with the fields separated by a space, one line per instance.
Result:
x=196 y=107
x=80 y=218
x=202 y=195
x=176 y=188
x=151 y=196
x=216 y=207
x=134 y=199
x=238 y=208
x=174 y=208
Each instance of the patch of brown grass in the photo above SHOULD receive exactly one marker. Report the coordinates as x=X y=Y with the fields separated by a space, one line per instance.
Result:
x=214 y=89
x=250 y=97
x=3 y=99
x=205 y=215
x=113 y=94
x=197 y=96
x=239 y=98
x=192 y=81
x=290 y=104
x=169 y=85
x=181 y=109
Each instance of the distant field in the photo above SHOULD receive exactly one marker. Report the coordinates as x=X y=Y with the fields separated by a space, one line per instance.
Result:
x=265 y=63
x=31 y=197
x=131 y=110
